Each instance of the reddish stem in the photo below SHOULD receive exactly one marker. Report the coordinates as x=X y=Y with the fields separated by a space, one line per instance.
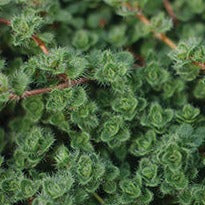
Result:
x=146 y=21
x=160 y=36
x=170 y=11
x=41 y=44
x=47 y=90
x=139 y=58
x=199 y=64
x=102 y=23
x=30 y=200
x=44 y=49
x=5 y=21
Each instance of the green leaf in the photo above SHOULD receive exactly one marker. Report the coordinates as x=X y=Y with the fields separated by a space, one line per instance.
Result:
x=62 y=157
x=28 y=188
x=58 y=184
x=34 y=107
x=156 y=76
x=110 y=187
x=58 y=99
x=176 y=179
x=149 y=172
x=125 y=105
x=111 y=128
x=157 y=118
x=55 y=62
x=172 y=157
x=200 y=89
x=85 y=169
x=160 y=23
x=24 y=26
x=130 y=190
x=188 y=114
x=144 y=144
x=83 y=40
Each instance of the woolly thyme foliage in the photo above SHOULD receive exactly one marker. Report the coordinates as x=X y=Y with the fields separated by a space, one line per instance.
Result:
x=186 y=56
x=144 y=143
x=90 y=171
x=4 y=89
x=32 y=146
x=113 y=70
x=19 y=82
x=112 y=172
x=94 y=109
x=57 y=185
x=24 y=26
x=189 y=114
x=4 y=2
x=36 y=4
x=157 y=118
x=34 y=107
x=58 y=99
x=199 y=88
x=155 y=75
x=160 y=23
x=22 y=187
x=114 y=132
x=126 y=106
x=83 y=40
x=54 y=62
x=148 y=172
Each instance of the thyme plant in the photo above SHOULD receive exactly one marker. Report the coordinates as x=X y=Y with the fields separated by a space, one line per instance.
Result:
x=102 y=102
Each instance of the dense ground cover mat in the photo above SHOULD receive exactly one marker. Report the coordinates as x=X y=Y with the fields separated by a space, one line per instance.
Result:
x=102 y=102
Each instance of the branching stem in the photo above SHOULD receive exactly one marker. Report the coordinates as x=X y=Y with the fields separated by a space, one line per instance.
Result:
x=47 y=90
x=146 y=21
x=161 y=36
x=66 y=83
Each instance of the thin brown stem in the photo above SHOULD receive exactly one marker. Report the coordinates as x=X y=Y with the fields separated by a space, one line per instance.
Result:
x=165 y=39
x=143 y=18
x=102 y=23
x=199 y=64
x=63 y=77
x=30 y=200
x=161 y=36
x=40 y=44
x=5 y=21
x=170 y=11
x=47 y=90
x=146 y=21
x=140 y=60
x=44 y=49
